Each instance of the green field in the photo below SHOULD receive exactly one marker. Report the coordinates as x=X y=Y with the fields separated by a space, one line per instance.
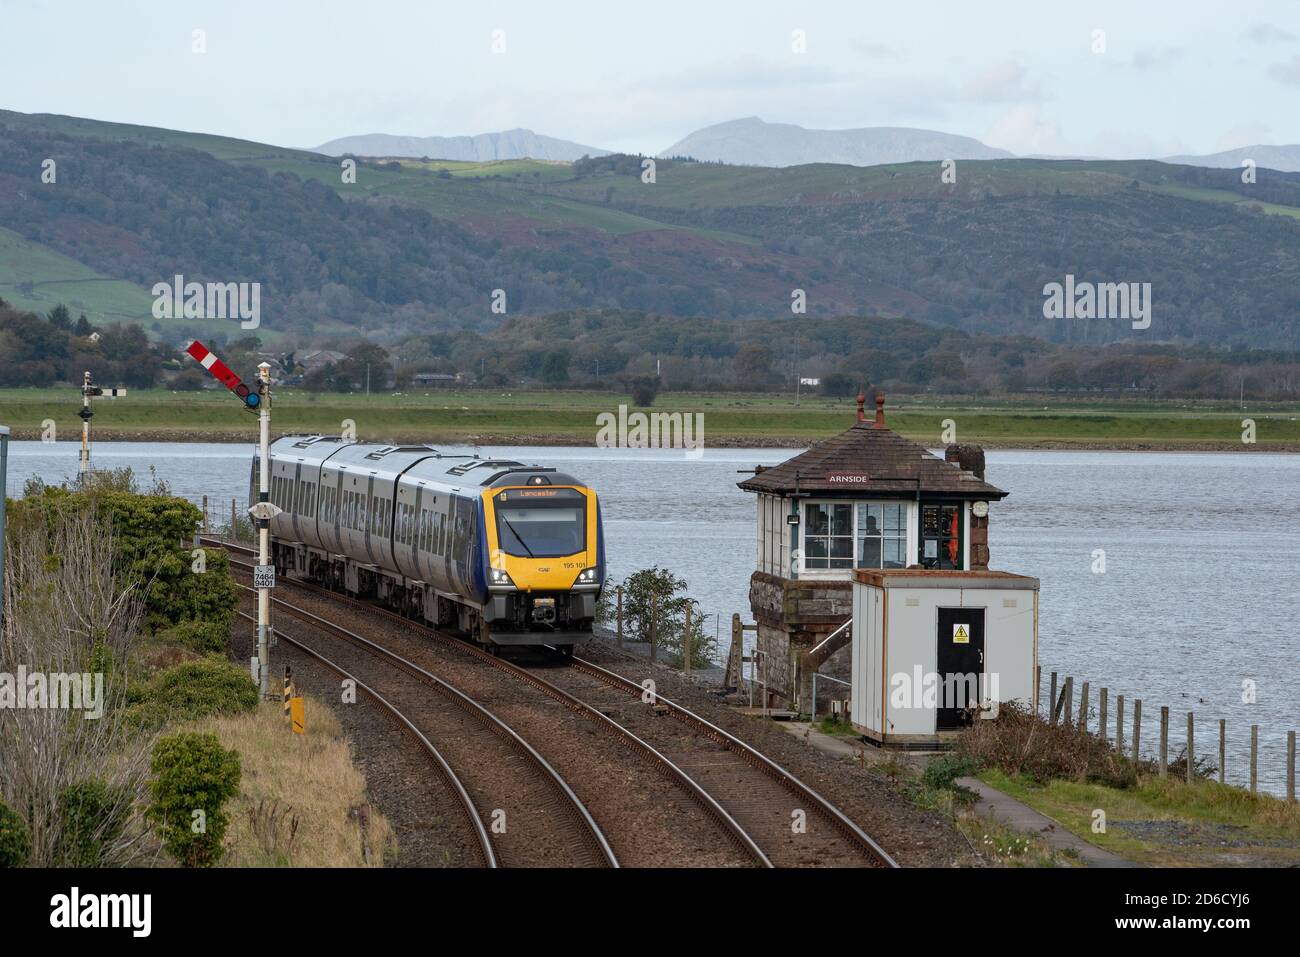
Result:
x=555 y=417
x=35 y=277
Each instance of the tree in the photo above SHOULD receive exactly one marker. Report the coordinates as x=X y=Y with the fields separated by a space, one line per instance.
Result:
x=60 y=318
x=644 y=388
x=656 y=597
x=555 y=367
x=840 y=384
x=753 y=364
x=83 y=328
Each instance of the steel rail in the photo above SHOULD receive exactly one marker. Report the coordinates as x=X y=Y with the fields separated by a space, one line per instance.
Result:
x=851 y=831
x=855 y=834
x=483 y=843
x=591 y=831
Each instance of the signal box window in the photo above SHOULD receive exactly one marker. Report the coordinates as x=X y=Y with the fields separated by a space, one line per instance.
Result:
x=828 y=535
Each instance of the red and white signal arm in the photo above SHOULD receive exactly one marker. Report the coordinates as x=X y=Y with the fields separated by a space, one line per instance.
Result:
x=221 y=372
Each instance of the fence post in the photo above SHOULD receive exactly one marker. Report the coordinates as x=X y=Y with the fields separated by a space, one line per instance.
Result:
x=1083 y=708
x=1137 y=727
x=1223 y=748
x=1191 y=749
x=205 y=515
x=686 y=642
x=1290 y=766
x=234 y=529
x=1102 y=725
x=619 y=592
x=1119 y=723
x=1254 y=758
x=653 y=629
x=1164 y=741
x=1051 y=702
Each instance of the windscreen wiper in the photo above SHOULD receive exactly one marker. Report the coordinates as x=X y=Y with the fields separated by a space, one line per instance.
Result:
x=519 y=538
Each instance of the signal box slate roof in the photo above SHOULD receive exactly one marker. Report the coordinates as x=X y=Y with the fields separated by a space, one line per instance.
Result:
x=869 y=459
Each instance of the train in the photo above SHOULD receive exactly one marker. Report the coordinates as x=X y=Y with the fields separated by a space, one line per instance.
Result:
x=502 y=553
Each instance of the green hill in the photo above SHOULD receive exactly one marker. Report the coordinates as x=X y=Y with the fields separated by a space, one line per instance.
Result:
x=413 y=245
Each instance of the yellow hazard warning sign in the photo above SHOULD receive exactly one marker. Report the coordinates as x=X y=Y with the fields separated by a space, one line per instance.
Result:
x=296 y=715
x=960 y=634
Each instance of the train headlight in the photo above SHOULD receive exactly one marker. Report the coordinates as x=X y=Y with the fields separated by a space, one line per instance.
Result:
x=586 y=577
x=499 y=577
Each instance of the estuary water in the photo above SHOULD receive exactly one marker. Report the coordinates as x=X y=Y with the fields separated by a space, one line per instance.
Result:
x=1199 y=600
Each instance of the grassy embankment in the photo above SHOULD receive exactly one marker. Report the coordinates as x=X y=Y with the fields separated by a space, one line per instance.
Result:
x=301 y=802
x=1167 y=822
x=746 y=420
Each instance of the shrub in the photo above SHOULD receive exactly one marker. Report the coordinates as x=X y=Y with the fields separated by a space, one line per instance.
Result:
x=148 y=535
x=1020 y=742
x=92 y=817
x=15 y=843
x=203 y=635
x=942 y=771
x=194 y=776
x=196 y=689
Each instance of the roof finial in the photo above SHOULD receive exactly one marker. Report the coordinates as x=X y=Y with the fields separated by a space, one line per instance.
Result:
x=880 y=410
x=862 y=405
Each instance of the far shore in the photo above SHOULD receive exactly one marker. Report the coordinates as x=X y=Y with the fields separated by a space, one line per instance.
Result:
x=249 y=437
x=723 y=420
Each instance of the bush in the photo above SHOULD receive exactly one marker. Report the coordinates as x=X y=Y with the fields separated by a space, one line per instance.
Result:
x=194 y=777
x=644 y=388
x=203 y=635
x=92 y=817
x=15 y=842
x=1020 y=742
x=196 y=689
x=942 y=771
x=148 y=535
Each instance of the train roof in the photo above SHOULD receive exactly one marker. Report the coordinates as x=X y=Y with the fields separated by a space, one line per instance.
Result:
x=421 y=462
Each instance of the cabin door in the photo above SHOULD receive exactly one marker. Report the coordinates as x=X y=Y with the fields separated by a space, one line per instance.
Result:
x=960 y=659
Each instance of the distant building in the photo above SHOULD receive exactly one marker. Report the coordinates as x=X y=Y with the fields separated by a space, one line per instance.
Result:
x=435 y=379
x=319 y=359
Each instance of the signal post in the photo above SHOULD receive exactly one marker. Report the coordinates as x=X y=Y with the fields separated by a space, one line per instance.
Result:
x=89 y=391
x=258 y=401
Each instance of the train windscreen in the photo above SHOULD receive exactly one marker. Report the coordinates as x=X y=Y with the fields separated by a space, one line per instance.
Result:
x=541 y=523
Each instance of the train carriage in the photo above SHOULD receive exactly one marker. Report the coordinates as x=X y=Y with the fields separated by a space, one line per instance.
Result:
x=506 y=553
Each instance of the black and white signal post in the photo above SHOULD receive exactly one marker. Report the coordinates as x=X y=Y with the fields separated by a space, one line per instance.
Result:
x=90 y=391
x=256 y=400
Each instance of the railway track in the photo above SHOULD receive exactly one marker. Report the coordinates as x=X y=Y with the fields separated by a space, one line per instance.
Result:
x=482 y=843
x=766 y=811
x=536 y=818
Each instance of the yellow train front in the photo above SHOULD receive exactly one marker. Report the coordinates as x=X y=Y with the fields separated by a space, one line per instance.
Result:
x=545 y=559
x=502 y=552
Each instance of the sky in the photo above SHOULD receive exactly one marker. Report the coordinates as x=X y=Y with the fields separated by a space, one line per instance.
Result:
x=1123 y=79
